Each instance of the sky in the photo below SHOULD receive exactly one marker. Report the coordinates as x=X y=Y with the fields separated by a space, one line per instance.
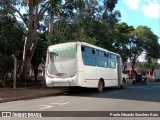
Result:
x=141 y=12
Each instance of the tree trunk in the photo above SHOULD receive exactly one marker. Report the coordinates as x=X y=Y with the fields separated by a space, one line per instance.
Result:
x=35 y=72
x=25 y=69
x=30 y=42
x=133 y=65
x=29 y=49
x=51 y=25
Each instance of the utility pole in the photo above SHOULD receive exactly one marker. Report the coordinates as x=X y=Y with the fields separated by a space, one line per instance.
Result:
x=15 y=71
x=43 y=62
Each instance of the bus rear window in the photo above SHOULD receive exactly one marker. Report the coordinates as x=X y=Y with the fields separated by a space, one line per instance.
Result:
x=63 y=53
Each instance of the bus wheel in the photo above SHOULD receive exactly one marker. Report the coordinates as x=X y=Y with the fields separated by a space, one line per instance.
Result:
x=100 y=86
x=123 y=84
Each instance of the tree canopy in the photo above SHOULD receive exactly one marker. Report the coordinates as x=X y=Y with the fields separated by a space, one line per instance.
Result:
x=131 y=42
x=27 y=27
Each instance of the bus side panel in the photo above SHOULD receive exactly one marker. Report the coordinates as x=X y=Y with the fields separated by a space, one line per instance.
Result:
x=102 y=72
x=114 y=76
x=90 y=76
x=109 y=75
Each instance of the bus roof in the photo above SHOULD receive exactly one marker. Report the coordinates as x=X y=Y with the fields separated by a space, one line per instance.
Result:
x=96 y=47
x=82 y=43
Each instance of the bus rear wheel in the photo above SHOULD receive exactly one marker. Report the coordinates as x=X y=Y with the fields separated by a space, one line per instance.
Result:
x=100 y=86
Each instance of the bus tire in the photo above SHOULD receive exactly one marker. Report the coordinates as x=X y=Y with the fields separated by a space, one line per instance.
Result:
x=100 y=86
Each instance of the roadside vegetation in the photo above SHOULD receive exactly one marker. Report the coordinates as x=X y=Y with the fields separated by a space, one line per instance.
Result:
x=130 y=80
x=28 y=27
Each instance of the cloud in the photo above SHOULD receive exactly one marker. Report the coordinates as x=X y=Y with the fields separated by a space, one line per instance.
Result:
x=132 y=4
x=152 y=10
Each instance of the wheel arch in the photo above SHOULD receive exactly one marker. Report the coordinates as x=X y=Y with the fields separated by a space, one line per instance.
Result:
x=101 y=79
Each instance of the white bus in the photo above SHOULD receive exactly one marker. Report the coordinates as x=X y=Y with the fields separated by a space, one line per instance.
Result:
x=81 y=64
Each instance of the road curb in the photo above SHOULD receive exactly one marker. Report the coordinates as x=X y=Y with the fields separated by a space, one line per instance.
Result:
x=31 y=96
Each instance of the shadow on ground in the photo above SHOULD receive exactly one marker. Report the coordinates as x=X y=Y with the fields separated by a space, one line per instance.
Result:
x=150 y=92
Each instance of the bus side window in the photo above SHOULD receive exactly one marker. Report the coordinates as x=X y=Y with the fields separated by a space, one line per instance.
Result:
x=111 y=61
x=82 y=48
x=93 y=51
x=101 y=58
x=88 y=56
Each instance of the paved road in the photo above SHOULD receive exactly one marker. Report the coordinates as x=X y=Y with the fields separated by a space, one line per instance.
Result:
x=133 y=98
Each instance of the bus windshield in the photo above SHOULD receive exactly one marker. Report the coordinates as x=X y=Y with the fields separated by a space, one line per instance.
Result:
x=63 y=53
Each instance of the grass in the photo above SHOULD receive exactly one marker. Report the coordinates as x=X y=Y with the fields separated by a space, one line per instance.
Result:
x=22 y=84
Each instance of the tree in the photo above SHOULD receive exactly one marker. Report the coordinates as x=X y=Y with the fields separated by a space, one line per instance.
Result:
x=94 y=23
x=40 y=53
x=149 y=41
x=130 y=43
x=32 y=17
x=152 y=64
x=121 y=40
x=11 y=42
x=142 y=39
x=148 y=66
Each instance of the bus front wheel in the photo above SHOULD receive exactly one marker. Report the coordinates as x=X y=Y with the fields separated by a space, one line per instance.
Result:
x=100 y=86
